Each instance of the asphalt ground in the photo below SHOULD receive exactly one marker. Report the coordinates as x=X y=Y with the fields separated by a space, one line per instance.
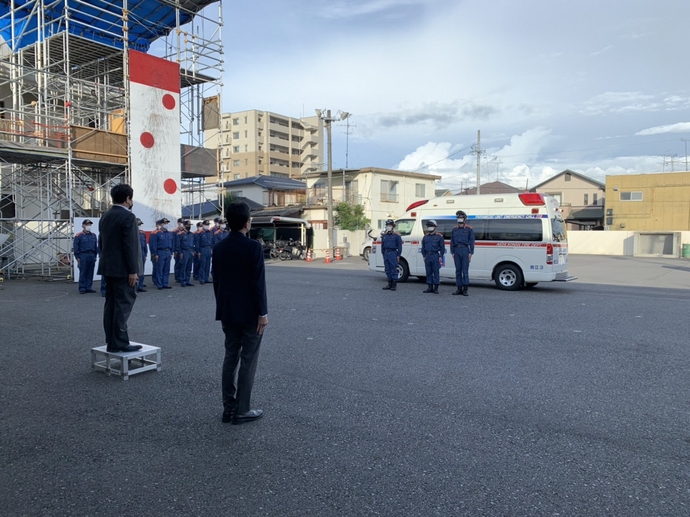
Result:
x=567 y=399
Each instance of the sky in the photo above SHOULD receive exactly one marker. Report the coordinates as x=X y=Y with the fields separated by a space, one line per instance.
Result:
x=599 y=87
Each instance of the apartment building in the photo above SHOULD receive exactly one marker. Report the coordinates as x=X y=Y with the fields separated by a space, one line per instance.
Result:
x=254 y=143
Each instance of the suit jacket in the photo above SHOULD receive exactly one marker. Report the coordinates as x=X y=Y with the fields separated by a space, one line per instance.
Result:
x=118 y=234
x=239 y=280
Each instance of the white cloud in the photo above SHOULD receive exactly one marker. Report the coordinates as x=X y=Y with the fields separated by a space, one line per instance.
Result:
x=680 y=127
x=354 y=8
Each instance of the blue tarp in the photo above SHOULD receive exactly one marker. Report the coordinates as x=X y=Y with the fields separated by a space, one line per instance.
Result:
x=98 y=21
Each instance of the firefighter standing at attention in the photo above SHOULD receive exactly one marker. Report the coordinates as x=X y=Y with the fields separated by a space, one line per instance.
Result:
x=433 y=250
x=462 y=249
x=391 y=247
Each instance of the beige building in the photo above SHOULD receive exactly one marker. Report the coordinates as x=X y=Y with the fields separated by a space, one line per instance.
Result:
x=254 y=143
x=648 y=202
x=383 y=193
x=581 y=198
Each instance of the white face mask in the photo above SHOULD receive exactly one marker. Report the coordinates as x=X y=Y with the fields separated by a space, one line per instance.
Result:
x=431 y=229
x=164 y=226
x=180 y=226
x=206 y=227
x=389 y=228
x=461 y=220
x=87 y=229
x=223 y=226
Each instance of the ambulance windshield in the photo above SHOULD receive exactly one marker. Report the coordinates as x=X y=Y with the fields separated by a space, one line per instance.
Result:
x=404 y=226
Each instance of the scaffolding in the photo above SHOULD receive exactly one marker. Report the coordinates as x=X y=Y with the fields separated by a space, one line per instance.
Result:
x=64 y=111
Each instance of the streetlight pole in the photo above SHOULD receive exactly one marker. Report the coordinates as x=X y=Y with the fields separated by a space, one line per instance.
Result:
x=686 y=153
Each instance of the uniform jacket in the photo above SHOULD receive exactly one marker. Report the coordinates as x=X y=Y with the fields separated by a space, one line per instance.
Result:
x=160 y=240
x=142 y=243
x=239 y=280
x=463 y=237
x=204 y=240
x=433 y=245
x=85 y=242
x=391 y=241
x=119 y=243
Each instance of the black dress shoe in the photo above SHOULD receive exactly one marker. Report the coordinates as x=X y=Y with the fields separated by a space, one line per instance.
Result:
x=228 y=415
x=128 y=348
x=167 y=287
x=90 y=291
x=249 y=416
x=142 y=291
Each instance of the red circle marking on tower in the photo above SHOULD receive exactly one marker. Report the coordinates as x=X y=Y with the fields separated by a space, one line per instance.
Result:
x=147 y=140
x=170 y=186
x=168 y=101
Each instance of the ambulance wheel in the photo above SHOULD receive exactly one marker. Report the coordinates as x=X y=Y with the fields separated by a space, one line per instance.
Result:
x=508 y=277
x=365 y=253
x=403 y=271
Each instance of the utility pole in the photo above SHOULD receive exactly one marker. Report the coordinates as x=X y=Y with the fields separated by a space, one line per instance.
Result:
x=686 y=153
x=478 y=151
x=327 y=119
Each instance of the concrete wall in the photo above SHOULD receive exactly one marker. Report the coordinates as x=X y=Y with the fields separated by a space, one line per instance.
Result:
x=619 y=243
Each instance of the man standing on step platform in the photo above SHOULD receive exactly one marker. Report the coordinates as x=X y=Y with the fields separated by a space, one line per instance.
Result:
x=121 y=266
x=86 y=251
x=391 y=247
x=239 y=284
x=462 y=249
x=433 y=250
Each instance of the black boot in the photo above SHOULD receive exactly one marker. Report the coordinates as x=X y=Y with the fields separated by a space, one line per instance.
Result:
x=464 y=291
x=394 y=286
x=435 y=288
x=457 y=291
x=389 y=286
x=429 y=289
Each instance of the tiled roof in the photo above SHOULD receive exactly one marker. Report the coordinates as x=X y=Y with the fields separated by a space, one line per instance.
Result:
x=268 y=182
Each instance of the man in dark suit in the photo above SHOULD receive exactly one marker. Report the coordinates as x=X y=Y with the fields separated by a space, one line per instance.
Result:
x=121 y=266
x=239 y=283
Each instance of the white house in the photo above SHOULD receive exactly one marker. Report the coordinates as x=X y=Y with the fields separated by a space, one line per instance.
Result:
x=383 y=193
x=268 y=190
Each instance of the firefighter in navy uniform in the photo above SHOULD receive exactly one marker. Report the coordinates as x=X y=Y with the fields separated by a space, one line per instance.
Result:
x=178 y=263
x=433 y=250
x=185 y=252
x=204 y=250
x=462 y=249
x=391 y=248
x=141 y=287
x=86 y=251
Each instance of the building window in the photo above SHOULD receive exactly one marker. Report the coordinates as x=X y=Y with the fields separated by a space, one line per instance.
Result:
x=236 y=134
x=631 y=196
x=568 y=176
x=236 y=163
x=594 y=198
x=245 y=120
x=227 y=125
x=246 y=134
x=227 y=151
x=246 y=148
x=235 y=148
x=236 y=193
x=419 y=189
x=389 y=191
x=586 y=199
x=227 y=139
x=236 y=176
x=235 y=122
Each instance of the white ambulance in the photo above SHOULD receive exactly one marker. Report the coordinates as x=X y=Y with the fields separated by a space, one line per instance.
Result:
x=520 y=238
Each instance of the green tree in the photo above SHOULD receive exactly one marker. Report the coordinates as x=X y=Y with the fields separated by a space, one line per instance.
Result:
x=350 y=217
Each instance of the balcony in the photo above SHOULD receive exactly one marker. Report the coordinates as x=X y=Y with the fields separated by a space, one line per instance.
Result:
x=389 y=197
